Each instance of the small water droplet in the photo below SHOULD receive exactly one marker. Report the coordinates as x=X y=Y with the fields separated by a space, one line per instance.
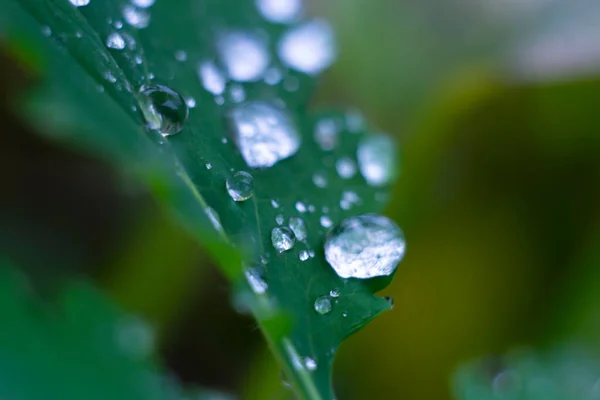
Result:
x=334 y=293
x=244 y=55
x=211 y=77
x=46 y=31
x=303 y=256
x=298 y=227
x=282 y=239
x=344 y=314
x=390 y=301
x=136 y=17
x=110 y=77
x=274 y=203
x=326 y=134
x=208 y=166
x=281 y=11
x=138 y=59
x=376 y=159
x=325 y=221
x=323 y=305
x=191 y=102
x=309 y=47
x=256 y=280
x=264 y=134
x=237 y=93
x=118 y=24
x=364 y=246
x=80 y=3
x=135 y=337
x=115 y=41
x=143 y=3
x=180 y=55
x=310 y=364
x=164 y=109
x=345 y=167
x=264 y=259
x=349 y=198
x=279 y=219
x=273 y=76
x=220 y=100
x=319 y=180
x=312 y=208
x=291 y=84
x=240 y=186
x=300 y=207
x=311 y=253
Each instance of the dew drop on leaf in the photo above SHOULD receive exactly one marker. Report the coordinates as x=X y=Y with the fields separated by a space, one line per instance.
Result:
x=136 y=17
x=325 y=221
x=298 y=227
x=326 y=134
x=263 y=133
x=323 y=305
x=80 y=3
x=300 y=207
x=364 y=246
x=309 y=47
x=280 y=11
x=279 y=219
x=164 y=109
x=240 y=186
x=115 y=41
x=143 y=3
x=310 y=363
x=244 y=55
x=303 y=256
x=282 y=238
x=345 y=167
x=319 y=180
x=256 y=280
x=334 y=293
x=377 y=159
x=211 y=77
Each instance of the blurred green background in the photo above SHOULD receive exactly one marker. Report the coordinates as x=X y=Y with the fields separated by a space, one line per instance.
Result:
x=495 y=107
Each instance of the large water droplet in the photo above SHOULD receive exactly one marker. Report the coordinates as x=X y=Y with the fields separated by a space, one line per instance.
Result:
x=309 y=47
x=80 y=3
x=240 y=186
x=323 y=305
x=364 y=246
x=164 y=109
x=282 y=238
x=298 y=227
x=244 y=55
x=115 y=41
x=212 y=79
x=376 y=159
x=256 y=280
x=281 y=11
x=264 y=134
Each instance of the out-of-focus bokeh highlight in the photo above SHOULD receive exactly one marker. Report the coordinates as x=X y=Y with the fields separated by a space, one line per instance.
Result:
x=496 y=109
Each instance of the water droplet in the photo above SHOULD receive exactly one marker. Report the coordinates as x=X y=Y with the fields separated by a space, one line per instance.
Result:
x=390 y=301
x=256 y=280
x=264 y=134
x=344 y=314
x=282 y=239
x=323 y=305
x=244 y=55
x=135 y=337
x=303 y=256
x=355 y=121
x=312 y=208
x=325 y=221
x=80 y=3
x=138 y=59
x=326 y=134
x=212 y=79
x=376 y=159
x=273 y=76
x=274 y=203
x=136 y=17
x=115 y=41
x=291 y=84
x=298 y=227
x=180 y=55
x=279 y=219
x=46 y=31
x=319 y=180
x=310 y=364
x=240 y=186
x=364 y=246
x=281 y=11
x=110 y=77
x=349 y=198
x=191 y=102
x=164 y=109
x=143 y=3
x=118 y=24
x=208 y=166
x=237 y=93
x=300 y=207
x=345 y=167
x=309 y=47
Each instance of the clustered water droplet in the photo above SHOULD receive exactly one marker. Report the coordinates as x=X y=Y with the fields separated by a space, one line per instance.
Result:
x=164 y=109
x=240 y=186
x=282 y=238
x=264 y=133
x=323 y=305
x=364 y=246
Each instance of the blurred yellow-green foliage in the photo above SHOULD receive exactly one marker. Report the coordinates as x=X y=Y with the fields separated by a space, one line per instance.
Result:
x=499 y=198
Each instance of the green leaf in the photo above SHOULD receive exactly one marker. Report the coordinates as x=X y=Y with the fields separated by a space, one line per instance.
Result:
x=77 y=347
x=89 y=98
